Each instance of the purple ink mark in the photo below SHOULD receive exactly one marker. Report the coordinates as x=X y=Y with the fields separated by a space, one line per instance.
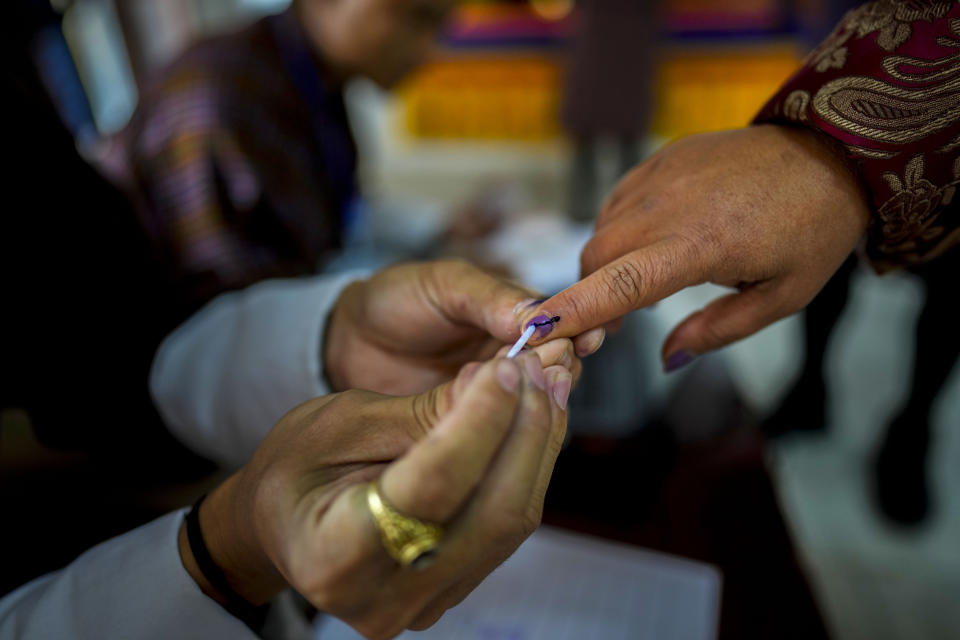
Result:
x=678 y=360
x=536 y=303
x=544 y=324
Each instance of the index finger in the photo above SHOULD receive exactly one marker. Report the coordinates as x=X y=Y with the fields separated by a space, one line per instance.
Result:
x=633 y=281
x=467 y=295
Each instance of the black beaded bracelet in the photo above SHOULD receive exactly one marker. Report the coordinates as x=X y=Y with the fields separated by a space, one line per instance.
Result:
x=252 y=615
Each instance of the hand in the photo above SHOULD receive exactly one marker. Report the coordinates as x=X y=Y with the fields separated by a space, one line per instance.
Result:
x=475 y=455
x=771 y=211
x=412 y=326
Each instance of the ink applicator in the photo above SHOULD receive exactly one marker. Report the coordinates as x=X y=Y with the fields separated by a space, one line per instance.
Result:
x=519 y=344
x=528 y=333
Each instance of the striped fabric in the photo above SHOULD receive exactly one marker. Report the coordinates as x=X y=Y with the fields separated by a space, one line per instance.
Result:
x=226 y=159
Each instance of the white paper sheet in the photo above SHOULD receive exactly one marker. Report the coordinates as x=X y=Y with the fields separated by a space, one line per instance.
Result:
x=565 y=586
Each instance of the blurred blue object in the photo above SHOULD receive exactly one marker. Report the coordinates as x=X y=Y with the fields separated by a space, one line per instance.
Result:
x=62 y=81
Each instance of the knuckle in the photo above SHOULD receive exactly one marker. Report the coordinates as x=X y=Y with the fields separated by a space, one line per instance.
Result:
x=326 y=597
x=425 y=413
x=454 y=269
x=432 y=492
x=701 y=247
x=576 y=370
x=623 y=282
x=346 y=401
x=322 y=590
x=327 y=581
x=575 y=308
x=536 y=414
x=512 y=528
x=715 y=334
x=561 y=353
x=532 y=519
x=427 y=619
x=509 y=537
x=778 y=306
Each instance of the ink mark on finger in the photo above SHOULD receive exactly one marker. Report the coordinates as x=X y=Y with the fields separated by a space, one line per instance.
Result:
x=544 y=324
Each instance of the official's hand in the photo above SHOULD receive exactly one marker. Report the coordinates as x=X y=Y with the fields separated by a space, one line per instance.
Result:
x=412 y=326
x=474 y=456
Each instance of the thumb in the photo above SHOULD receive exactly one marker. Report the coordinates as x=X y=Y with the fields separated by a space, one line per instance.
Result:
x=724 y=321
x=431 y=406
x=439 y=473
x=633 y=281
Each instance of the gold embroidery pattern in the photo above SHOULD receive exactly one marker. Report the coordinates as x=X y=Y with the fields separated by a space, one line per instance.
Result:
x=899 y=67
x=892 y=18
x=875 y=154
x=908 y=217
x=831 y=54
x=795 y=105
x=877 y=110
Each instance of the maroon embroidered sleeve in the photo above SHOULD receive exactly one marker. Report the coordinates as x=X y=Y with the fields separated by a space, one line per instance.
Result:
x=886 y=85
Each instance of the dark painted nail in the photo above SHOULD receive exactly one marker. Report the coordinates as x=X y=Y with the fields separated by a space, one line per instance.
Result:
x=544 y=324
x=677 y=360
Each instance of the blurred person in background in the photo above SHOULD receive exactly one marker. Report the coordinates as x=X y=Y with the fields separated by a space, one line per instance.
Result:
x=243 y=162
x=600 y=102
x=90 y=301
x=241 y=153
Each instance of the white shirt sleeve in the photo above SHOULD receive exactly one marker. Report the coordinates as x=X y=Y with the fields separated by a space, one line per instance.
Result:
x=223 y=378
x=133 y=587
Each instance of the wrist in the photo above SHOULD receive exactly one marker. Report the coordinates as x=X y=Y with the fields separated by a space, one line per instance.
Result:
x=839 y=175
x=230 y=539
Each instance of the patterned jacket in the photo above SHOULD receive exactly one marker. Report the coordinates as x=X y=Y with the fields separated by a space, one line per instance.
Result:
x=242 y=162
x=886 y=85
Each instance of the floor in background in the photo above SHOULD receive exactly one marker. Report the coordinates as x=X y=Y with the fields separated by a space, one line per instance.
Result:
x=873 y=580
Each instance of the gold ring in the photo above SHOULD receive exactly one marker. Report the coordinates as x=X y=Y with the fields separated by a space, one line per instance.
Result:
x=409 y=541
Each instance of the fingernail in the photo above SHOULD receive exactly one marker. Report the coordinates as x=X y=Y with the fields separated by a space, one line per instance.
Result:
x=679 y=359
x=544 y=324
x=590 y=342
x=535 y=370
x=523 y=305
x=508 y=375
x=561 y=390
